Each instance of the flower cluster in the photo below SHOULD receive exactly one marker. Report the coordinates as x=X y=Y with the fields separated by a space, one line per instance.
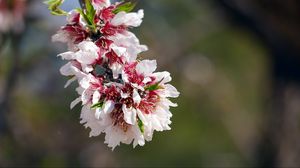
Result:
x=121 y=95
x=11 y=15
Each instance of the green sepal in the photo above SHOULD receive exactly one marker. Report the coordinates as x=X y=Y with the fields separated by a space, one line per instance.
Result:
x=88 y=14
x=155 y=86
x=83 y=14
x=125 y=6
x=53 y=6
x=90 y=11
x=97 y=105
x=141 y=125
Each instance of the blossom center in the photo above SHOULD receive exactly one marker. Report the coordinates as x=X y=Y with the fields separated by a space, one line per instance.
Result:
x=117 y=116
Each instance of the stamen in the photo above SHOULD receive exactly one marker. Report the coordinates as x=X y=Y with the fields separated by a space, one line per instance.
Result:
x=117 y=116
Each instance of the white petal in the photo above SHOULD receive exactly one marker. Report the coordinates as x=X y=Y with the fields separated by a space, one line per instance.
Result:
x=85 y=57
x=88 y=52
x=118 y=19
x=136 y=97
x=86 y=96
x=67 y=55
x=116 y=70
x=88 y=119
x=125 y=77
x=138 y=86
x=146 y=67
x=129 y=115
x=66 y=70
x=85 y=82
x=108 y=106
x=98 y=113
x=146 y=80
x=96 y=97
x=148 y=132
x=61 y=36
x=156 y=124
x=70 y=81
x=166 y=103
x=128 y=19
x=131 y=43
x=113 y=137
x=162 y=112
x=99 y=4
x=118 y=50
x=75 y=102
x=141 y=117
x=171 y=91
x=87 y=68
x=70 y=70
x=80 y=90
x=87 y=46
x=171 y=103
x=139 y=137
x=164 y=76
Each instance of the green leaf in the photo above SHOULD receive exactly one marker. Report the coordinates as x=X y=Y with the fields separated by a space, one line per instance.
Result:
x=53 y=6
x=90 y=11
x=88 y=14
x=155 y=86
x=97 y=105
x=141 y=125
x=126 y=7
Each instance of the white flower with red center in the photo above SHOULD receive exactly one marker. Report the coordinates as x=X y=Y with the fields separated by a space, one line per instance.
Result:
x=121 y=96
x=74 y=32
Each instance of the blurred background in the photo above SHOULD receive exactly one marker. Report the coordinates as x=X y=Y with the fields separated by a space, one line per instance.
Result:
x=236 y=64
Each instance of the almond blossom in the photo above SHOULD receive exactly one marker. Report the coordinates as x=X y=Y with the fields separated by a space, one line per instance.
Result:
x=121 y=96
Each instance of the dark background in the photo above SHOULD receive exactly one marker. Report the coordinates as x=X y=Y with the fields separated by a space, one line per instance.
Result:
x=236 y=64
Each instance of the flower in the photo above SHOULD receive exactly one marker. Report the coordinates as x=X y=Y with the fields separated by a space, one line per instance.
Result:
x=74 y=32
x=122 y=97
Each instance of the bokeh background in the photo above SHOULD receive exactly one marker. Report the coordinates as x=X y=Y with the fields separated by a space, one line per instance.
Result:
x=236 y=64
